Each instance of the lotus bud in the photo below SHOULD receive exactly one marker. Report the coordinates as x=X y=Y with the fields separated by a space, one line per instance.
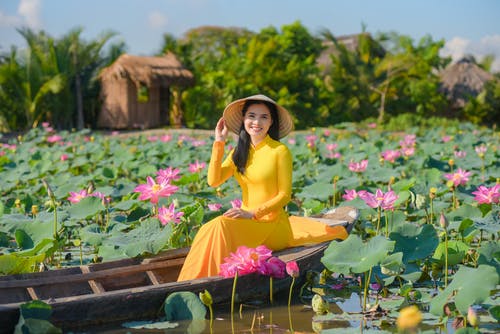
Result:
x=34 y=210
x=451 y=162
x=206 y=298
x=472 y=317
x=17 y=203
x=292 y=269
x=443 y=221
x=49 y=190
x=409 y=318
x=319 y=305
x=432 y=192
x=336 y=178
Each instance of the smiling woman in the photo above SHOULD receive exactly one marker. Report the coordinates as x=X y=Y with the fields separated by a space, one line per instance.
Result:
x=262 y=166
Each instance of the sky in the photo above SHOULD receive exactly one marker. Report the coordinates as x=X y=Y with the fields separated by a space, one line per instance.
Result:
x=466 y=26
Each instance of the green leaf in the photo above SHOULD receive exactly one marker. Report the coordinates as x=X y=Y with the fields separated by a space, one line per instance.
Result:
x=36 y=309
x=465 y=290
x=23 y=240
x=86 y=208
x=413 y=241
x=495 y=312
x=184 y=305
x=456 y=252
x=393 y=264
x=354 y=256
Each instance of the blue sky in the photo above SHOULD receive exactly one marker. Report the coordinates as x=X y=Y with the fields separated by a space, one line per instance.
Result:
x=467 y=26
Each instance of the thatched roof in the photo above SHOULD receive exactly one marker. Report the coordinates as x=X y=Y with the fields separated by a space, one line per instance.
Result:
x=167 y=69
x=463 y=79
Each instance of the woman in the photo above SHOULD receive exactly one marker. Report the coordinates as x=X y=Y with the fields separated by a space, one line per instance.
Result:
x=262 y=166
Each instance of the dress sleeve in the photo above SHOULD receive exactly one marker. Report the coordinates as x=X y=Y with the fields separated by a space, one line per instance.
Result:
x=284 y=183
x=218 y=171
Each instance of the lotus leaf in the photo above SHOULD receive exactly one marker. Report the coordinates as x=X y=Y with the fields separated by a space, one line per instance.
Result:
x=469 y=286
x=184 y=305
x=456 y=252
x=413 y=241
x=354 y=256
x=88 y=207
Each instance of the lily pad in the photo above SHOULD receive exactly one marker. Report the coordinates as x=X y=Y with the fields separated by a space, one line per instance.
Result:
x=354 y=256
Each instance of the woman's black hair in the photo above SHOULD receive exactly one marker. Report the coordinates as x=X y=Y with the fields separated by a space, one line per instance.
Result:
x=240 y=154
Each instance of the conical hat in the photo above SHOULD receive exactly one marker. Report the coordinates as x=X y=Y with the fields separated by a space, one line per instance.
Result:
x=234 y=117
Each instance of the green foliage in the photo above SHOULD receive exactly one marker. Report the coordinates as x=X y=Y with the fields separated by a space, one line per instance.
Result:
x=354 y=256
x=465 y=290
x=184 y=305
x=34 y=319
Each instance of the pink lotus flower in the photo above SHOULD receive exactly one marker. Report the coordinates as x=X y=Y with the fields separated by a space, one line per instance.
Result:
x=196 y=167
x=54 y=139
x=460 y=154
x=152 y=138
x=481 y=150
x=407 y=151
x=460 y=177
x=446 y=139
x=292 y=269
x=372 y=125
x=236 y=203
x=165 y=138
x=408 y=141
x=244 y=261
x=168 y=174
x=379 y=199
x=64 y=157
x=45 y=124
x=327 y=133
x=153 y=191
x=214 y=206
x=198 y=143
x=292 y=141
x=311 y=141
x=100 y=195
x=350 y=194
x=168 y=215
x=273 y=267
x=331 y=147
x=391 y=155
x=485 y=195
x=75 y=197
x=358 y=167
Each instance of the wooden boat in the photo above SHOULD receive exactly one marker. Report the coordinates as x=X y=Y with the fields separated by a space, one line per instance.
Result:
x=135 y=289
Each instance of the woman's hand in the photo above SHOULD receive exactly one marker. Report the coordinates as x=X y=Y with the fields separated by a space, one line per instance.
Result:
x=238 y=213
x=221 y=130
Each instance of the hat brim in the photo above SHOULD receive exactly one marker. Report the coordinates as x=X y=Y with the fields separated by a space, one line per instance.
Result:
x=234 y=117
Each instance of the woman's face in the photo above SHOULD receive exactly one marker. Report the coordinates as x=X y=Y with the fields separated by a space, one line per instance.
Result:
x=257 y=122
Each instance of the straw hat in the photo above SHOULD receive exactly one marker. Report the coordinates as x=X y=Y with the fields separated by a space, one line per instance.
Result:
x=234 y=117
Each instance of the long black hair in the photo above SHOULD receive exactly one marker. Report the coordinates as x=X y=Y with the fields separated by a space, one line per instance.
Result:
x=240 y=154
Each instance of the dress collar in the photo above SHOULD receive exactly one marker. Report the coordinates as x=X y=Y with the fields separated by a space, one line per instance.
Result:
x=262 y=143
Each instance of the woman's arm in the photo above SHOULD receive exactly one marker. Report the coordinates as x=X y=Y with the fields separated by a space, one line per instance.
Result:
x=219 y=172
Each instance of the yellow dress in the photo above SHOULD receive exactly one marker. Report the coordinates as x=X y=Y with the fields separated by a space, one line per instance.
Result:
x=266 y=189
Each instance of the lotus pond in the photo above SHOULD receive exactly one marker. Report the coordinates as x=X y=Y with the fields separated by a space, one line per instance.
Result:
x=424 y=254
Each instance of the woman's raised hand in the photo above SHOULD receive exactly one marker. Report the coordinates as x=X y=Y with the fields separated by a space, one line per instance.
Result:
x=221 y=130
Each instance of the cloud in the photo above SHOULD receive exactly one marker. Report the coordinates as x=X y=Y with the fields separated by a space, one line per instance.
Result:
x=30 y=11
x=157 y=20
x=459 y=47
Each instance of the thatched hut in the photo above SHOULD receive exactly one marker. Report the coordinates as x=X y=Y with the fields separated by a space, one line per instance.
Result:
x=462 y=80
x=142 y=92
